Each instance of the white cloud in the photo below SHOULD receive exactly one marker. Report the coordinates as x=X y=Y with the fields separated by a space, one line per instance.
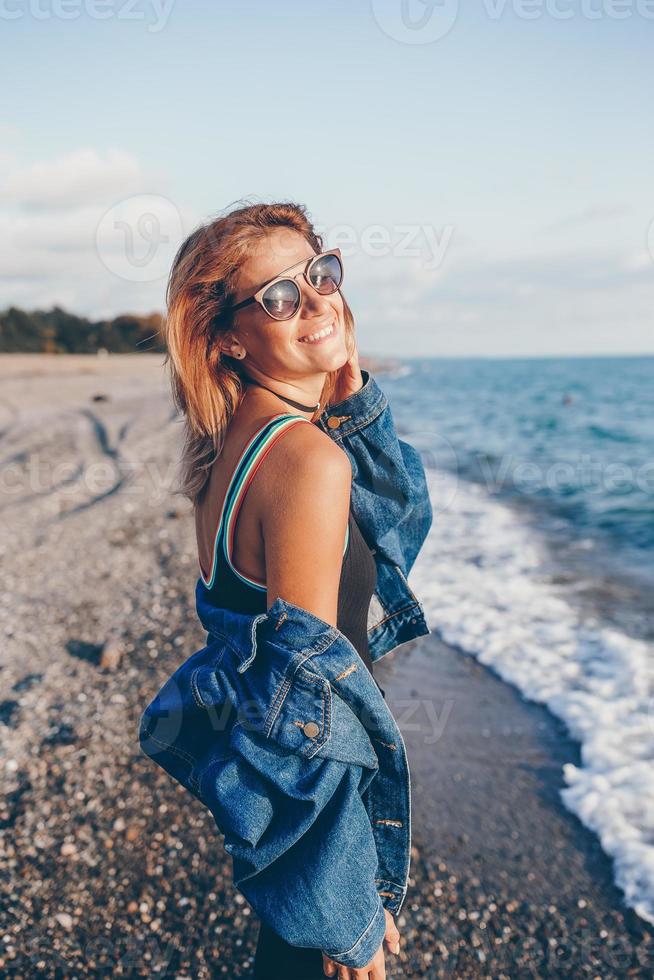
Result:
x=50 y=231
x=589 y=216
x=76 y=179
x=50 y=253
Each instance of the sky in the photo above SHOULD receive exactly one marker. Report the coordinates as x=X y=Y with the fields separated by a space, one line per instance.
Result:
x=485 y=167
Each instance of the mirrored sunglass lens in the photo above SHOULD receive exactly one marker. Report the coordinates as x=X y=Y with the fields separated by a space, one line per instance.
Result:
x=326 y=274
x=282 y=299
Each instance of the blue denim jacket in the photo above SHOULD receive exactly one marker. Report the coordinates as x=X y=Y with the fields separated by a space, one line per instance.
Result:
x=278 y=727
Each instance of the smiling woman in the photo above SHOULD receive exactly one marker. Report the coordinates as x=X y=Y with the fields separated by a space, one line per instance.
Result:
x=257 y=323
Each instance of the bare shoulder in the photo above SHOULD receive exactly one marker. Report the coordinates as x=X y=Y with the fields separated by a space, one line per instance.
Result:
x=307 y=454
x=305 y=524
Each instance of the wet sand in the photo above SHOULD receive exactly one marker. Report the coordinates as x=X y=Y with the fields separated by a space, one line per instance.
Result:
x=508 y=880
x=114 y=870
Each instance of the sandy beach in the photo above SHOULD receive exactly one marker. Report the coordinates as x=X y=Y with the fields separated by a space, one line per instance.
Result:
x=113 y=870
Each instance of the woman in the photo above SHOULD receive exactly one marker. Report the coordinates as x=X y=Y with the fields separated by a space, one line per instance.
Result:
x=260 y=339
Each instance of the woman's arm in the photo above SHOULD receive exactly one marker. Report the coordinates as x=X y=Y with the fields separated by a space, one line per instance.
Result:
x=305 y=520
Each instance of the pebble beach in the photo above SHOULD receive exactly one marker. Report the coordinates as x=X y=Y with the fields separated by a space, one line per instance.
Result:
x=110 y=869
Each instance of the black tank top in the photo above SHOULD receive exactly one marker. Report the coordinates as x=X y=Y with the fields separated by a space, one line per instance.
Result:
x=230 y=589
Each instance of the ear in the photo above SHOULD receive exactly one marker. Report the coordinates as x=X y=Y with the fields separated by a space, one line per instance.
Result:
x=230 y=346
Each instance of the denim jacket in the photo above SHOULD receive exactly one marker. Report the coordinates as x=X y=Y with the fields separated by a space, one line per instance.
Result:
x=278 y=727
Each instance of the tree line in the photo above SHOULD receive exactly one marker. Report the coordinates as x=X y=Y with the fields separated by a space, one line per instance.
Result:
x=57 y=332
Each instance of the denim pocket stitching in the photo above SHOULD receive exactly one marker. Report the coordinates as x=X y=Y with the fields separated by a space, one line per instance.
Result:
x=325 y=703
x=193 y=683
x=197 y=697
x=334 y=698
x=277 y=703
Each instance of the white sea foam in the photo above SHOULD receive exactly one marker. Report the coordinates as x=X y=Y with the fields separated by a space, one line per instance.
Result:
x=481 y=577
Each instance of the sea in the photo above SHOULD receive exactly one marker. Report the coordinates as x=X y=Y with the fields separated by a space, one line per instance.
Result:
x=540 y=560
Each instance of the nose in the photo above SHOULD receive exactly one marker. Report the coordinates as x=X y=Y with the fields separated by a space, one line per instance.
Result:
x=313 y=303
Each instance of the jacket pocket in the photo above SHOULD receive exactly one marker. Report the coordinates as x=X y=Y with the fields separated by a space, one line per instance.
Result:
x=315 y=721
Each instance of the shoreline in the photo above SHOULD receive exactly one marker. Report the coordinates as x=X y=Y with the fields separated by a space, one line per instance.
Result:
x=508 y=880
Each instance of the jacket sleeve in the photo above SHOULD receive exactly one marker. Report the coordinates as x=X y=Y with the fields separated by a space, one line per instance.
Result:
x=390 y=497
x=291 y=809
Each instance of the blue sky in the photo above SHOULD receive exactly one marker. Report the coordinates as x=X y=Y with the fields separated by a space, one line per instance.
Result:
x=491 y=187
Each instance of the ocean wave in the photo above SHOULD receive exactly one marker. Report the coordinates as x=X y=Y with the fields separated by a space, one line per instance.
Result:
x=615 y=435
x=480 y=576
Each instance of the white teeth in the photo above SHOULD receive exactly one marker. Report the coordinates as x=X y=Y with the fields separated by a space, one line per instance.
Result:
x=316 y=336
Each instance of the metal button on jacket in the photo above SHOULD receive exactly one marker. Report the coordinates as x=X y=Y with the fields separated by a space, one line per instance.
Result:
x=310 y=729
x=333 y=422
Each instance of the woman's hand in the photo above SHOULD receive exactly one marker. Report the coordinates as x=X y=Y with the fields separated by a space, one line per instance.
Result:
x=350 y=379
x=376 y=968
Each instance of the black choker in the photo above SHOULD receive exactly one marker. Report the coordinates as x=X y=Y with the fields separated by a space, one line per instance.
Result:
x=291 y=401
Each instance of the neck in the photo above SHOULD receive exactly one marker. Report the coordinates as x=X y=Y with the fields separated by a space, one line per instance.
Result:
x=305 y=398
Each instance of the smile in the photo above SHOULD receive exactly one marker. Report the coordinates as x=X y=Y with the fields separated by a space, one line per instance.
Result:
x=316 y=338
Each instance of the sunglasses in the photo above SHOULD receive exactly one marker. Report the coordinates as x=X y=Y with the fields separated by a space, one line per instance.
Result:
x=281 y=297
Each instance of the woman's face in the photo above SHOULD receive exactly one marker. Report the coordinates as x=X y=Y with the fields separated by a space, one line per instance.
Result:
x=276 y=346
